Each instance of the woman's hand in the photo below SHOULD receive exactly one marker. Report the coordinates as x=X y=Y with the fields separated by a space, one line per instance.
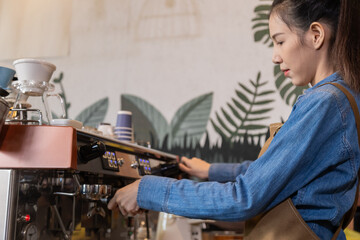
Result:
x=195 y=167
x=125 y=200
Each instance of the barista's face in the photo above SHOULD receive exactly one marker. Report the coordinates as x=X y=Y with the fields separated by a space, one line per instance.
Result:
x=297 y=59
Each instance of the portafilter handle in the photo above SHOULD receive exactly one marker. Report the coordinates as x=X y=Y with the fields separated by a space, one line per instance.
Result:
x=91 y=151
x=96 y=192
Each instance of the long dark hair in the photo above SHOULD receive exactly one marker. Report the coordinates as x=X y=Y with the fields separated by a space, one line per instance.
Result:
x=343 y=18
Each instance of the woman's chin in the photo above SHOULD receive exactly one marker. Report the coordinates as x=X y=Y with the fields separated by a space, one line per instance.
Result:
x=299 y=83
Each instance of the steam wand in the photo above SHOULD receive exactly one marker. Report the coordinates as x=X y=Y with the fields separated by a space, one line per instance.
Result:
x=147 y=224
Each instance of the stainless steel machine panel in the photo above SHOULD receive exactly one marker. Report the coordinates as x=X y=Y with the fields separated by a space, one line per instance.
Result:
x=56 y=182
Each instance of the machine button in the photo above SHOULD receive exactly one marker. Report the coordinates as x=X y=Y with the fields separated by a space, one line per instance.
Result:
x=110 y=162
x=24 y=218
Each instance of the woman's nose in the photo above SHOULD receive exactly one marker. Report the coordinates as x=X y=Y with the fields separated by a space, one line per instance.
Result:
x=276 y=59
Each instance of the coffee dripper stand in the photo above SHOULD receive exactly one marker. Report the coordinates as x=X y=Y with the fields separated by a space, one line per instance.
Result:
x=21 y=92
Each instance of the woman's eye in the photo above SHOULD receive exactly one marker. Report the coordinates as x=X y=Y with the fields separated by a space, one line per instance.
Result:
x=280 y=43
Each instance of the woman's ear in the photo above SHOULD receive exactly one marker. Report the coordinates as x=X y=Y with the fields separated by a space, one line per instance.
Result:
x=318 y=34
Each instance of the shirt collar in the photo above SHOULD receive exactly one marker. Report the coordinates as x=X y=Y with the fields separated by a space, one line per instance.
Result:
x=332 y=78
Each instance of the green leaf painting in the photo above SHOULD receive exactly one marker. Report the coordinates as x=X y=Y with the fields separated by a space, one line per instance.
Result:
x=146 y=118
x=250 y=106
x=188 y=124
x=94 y=114
x=191 y=120
x=261 y=23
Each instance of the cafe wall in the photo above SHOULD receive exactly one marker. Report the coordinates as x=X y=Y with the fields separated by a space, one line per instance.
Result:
x=197 y=74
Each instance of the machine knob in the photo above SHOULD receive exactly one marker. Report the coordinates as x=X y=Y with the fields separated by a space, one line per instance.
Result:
x=91 y=151
x=134 y=164
x=120 y=161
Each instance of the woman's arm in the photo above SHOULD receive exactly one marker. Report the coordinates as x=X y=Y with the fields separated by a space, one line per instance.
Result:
x=227 y=172
x=220 y=172
x=290 y=163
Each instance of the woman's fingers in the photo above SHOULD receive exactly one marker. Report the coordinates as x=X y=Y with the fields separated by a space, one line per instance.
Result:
x=195 y=167
x=125 y=199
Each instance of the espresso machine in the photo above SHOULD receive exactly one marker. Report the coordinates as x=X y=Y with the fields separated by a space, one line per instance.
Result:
x=57 y=181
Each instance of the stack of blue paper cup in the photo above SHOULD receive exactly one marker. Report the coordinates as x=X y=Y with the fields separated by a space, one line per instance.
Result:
x=124 y=129
x=6 y=75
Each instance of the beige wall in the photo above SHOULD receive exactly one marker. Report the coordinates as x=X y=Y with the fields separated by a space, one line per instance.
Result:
x=165 y=51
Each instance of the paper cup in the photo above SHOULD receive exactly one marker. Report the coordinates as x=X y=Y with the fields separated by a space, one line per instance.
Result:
x=106 y=129
x=124 y=120
x=6 y=75
x=123 y=134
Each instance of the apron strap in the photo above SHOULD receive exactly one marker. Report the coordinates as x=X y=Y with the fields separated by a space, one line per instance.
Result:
x=349 y=215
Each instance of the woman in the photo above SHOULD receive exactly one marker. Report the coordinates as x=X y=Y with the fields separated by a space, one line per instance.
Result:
x=314 y=158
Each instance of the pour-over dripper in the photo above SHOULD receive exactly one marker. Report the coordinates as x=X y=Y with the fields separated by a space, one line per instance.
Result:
x=33 y=81
x=34 y=75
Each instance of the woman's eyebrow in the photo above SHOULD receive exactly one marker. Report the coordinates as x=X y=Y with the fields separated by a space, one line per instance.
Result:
x=275 y=35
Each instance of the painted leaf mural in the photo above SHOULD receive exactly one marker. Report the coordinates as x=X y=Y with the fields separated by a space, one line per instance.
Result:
x=261 y=23
x=191 y=119
x=247 y=109
x=94 y=114
x=147 y=118
x=188 y=124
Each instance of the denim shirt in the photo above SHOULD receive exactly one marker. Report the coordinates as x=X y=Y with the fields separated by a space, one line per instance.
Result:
x=313 y=159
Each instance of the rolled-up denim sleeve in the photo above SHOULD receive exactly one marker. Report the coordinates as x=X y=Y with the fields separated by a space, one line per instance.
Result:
x=153 y=192
x=227 y=172
x=150 y=196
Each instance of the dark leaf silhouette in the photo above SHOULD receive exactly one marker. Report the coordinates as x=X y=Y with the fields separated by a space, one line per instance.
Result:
x=261 y=24
x=94 y=114
x=145 y=116
x=191 y=119
x=244 y=112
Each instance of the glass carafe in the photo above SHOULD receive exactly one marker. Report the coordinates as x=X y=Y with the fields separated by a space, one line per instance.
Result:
x=33 y=97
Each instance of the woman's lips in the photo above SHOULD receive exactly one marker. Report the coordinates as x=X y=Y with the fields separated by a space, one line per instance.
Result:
x=286 y=72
